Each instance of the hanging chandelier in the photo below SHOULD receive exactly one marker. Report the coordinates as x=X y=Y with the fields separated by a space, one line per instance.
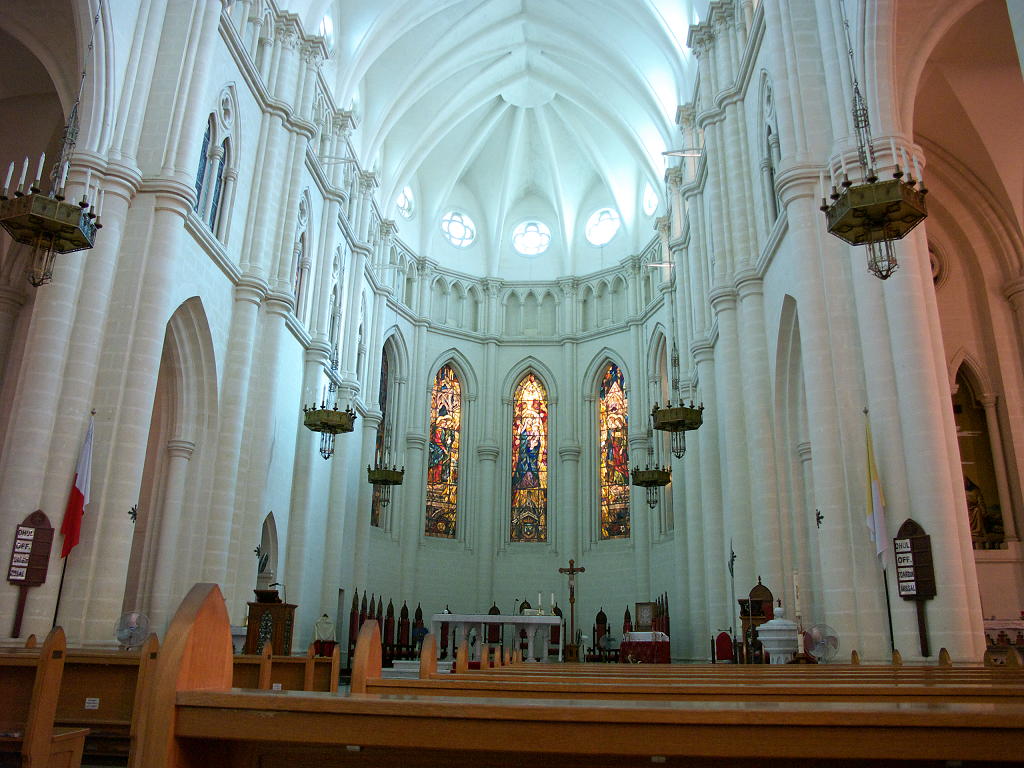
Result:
x=380 y=475
x=680 y=418
x=47 y=223
x=328 y=421
x=873 y=212
x=651 y=478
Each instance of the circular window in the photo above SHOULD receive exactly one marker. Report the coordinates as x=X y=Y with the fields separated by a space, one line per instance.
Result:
x=458 y=228
x=531 y=238
x=404 y=202
x=650 y=200
x=602 y=226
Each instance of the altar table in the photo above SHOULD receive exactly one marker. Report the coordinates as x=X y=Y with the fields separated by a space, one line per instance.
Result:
x=459 y=625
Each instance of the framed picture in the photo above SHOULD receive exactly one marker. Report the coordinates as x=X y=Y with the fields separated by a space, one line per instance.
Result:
x=644 y=616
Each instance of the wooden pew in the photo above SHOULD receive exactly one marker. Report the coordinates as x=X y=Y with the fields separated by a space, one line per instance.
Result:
x=288 y=673
x=195 y=719
x=29 y=690
x=104 y=690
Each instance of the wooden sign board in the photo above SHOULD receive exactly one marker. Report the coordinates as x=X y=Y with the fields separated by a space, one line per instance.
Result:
x=915 y=572
x=30 y=553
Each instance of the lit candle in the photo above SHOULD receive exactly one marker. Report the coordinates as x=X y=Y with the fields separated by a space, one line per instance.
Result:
x=24 y=170
x=39 y=170
x=7 y=181
x=796 y=592
x=892 y=151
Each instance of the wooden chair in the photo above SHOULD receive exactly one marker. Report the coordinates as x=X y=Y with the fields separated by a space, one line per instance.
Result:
x=29 y=690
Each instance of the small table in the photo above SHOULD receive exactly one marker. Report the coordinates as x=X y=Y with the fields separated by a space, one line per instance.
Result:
x=645 y=648
x=459 y=625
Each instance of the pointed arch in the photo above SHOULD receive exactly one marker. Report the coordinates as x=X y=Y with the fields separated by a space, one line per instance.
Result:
x=612 y=437
x=443 y=453
x=530 y=440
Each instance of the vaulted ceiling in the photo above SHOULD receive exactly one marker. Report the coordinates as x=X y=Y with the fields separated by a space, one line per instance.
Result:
x=515 y=110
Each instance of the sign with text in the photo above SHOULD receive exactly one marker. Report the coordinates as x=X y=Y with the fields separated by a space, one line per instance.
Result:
x=915 y=574
x=30 y=554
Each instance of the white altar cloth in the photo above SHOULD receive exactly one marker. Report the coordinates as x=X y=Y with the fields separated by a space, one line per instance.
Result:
x=459 y=625
x=644 y=637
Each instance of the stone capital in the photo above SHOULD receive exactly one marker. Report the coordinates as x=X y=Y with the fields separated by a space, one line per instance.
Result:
x=803 y=450
x=988 y=400
x=749 y=283
x=180 y=449
x=570 y=451
x=722 y=299
x=703 y=350
x=1014 y=292
x=488 y=451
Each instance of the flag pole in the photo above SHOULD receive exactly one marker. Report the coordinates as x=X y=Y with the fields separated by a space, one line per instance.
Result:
x=60 y=589
x=877 y=520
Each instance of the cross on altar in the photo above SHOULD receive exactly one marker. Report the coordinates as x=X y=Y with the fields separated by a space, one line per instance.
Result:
x=571 y=572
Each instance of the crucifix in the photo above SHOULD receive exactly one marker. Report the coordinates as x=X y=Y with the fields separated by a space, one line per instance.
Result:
x=571 y=572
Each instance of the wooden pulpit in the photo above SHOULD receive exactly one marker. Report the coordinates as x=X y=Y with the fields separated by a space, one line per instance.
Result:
x=270 y=622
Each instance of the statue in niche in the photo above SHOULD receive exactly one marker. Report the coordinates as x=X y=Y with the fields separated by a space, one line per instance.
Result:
x=986 y=524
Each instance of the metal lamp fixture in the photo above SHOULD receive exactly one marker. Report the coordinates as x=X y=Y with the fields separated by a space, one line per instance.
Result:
x=46 y=222
x=380 y=475
x=328 y=421
x=652 y=478
x=680 y=418
x=872 y=212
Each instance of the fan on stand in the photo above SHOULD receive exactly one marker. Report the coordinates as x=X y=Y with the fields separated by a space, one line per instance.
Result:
x=132 y=630
x=824 y=643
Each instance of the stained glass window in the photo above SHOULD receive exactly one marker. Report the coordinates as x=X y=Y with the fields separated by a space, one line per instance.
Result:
x=443 y=454
x=530 y=461
x=614 y=460
x=376 y=507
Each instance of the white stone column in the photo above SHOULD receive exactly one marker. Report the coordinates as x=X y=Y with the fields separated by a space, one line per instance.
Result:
x=361 y=499
x=569 y=484
x=758 y=408
x=11 y=302
x=233 y=406
x=806 y=534
x=988 y=402
x=722 y=612
x=489 y=538
x=640 y=515
x=166 y=592
x=413 y=510
x=735 y=474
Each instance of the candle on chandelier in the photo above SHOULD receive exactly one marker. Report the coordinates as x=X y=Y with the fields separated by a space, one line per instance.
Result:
x=892 y=152
x=539 y=603
x=64 y=176
x=7 y=181
x=39 y=170
x=24 y=171
x=917 y=168
x=903 y=154
x=842 y=162
x=552 y=602
x=821 y=183
x=88 y=180
x=99 y=208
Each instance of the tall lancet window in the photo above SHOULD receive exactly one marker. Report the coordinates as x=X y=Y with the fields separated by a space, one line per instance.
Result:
x=443 y=454
x=201 y=171
x=530 y=461
x=614 y=460
x=225 y=158
x=381 y=449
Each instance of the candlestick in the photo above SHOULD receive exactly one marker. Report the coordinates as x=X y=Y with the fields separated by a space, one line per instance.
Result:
x=99 y=208
x=842 y=162
x=796 y=593
x=917 y=168
x=892 y=152
x=64 y=175
x=903 y=154
x=24 y=170
x=821 y=183
x=539 y=603
x=552 y=602
x=88 y=179
x=7 y=181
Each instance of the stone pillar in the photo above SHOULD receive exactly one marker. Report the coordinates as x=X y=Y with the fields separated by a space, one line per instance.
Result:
x=640 y=515
x=722 y=612
x=360 y=500
x=165 y=593
x=488 y=541
x=757 y=409
x=806 y=525
x=569 y=456
x=988 y=402
x=413 y=510
x=234 y=399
